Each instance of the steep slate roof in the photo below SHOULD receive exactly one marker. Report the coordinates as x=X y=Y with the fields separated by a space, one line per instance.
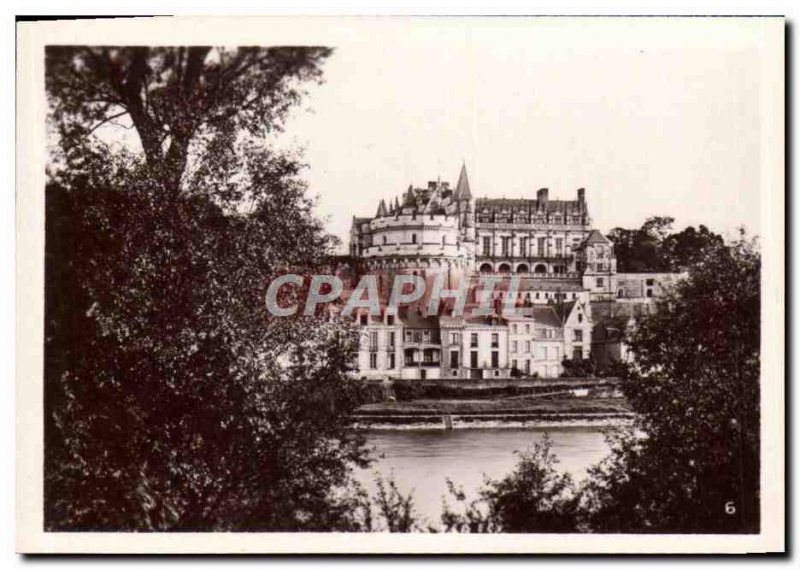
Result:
x=357 y=221
x=413 y=319
x=545 y=315
x=564 y=309
x=548 y=285
x=381 y=209
x=462 y=188
x=532 y=204
x=596 y=237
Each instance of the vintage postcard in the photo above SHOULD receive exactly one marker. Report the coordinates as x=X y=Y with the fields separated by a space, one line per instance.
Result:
x=406 y=285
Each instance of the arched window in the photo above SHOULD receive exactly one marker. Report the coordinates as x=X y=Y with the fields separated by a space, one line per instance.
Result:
x=523 y=268
x=504 y=268
x=486 y=268
x=540 y=269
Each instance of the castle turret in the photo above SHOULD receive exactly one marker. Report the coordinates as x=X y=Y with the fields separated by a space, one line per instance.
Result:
x=381 y=209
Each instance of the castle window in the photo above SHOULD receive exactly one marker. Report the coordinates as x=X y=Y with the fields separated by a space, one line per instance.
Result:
x=373 y=361
x=384 y=239
x=414 y=238
x=505 y=246
x=444 y=240
x=487 y=246
x=600 y=281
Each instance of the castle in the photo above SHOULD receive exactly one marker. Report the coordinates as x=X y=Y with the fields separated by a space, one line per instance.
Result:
x=574 y=305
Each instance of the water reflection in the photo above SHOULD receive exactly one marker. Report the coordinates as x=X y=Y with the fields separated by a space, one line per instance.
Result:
x=422 y=460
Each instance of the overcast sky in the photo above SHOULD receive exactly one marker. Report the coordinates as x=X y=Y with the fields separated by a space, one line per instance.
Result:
x=652 y=117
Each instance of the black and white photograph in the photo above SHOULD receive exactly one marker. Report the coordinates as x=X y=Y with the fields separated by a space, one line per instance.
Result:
x=508 y=284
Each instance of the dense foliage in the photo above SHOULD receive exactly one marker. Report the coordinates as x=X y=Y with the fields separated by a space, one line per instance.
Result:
x=172 y=399
x=692 y=462
x=654 y=247
x=535 y=497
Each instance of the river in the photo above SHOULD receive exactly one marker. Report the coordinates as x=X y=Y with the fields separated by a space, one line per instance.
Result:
x=421 y=460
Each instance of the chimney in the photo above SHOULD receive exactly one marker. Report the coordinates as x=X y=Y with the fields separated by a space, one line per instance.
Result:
x=432 y=185
x=541 y=195
x=582 y=195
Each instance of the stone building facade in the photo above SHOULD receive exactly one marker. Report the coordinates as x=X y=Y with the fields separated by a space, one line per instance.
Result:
x=562 y=264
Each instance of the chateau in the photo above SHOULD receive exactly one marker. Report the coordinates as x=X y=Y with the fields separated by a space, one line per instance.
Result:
x=572 y=303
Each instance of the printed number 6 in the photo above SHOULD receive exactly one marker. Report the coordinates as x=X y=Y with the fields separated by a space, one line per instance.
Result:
x=730 y=509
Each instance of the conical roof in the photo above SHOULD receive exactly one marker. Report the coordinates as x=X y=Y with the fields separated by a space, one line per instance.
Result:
x=462 y=188
x=381 y=209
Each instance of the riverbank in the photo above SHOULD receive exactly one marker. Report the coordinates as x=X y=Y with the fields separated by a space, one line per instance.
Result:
x=508 y=412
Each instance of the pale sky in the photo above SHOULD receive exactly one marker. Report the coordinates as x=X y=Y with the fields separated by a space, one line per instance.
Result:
x=651 y=116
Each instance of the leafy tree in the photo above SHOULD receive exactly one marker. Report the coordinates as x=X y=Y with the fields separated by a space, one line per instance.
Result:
x=688 y=247
x=639 y=250
x=654 y=247
x=690 y=463
x=535 y=497
x=176 y=98
x=173 y=400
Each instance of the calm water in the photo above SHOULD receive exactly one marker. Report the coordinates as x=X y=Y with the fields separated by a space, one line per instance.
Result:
x=422 y=460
